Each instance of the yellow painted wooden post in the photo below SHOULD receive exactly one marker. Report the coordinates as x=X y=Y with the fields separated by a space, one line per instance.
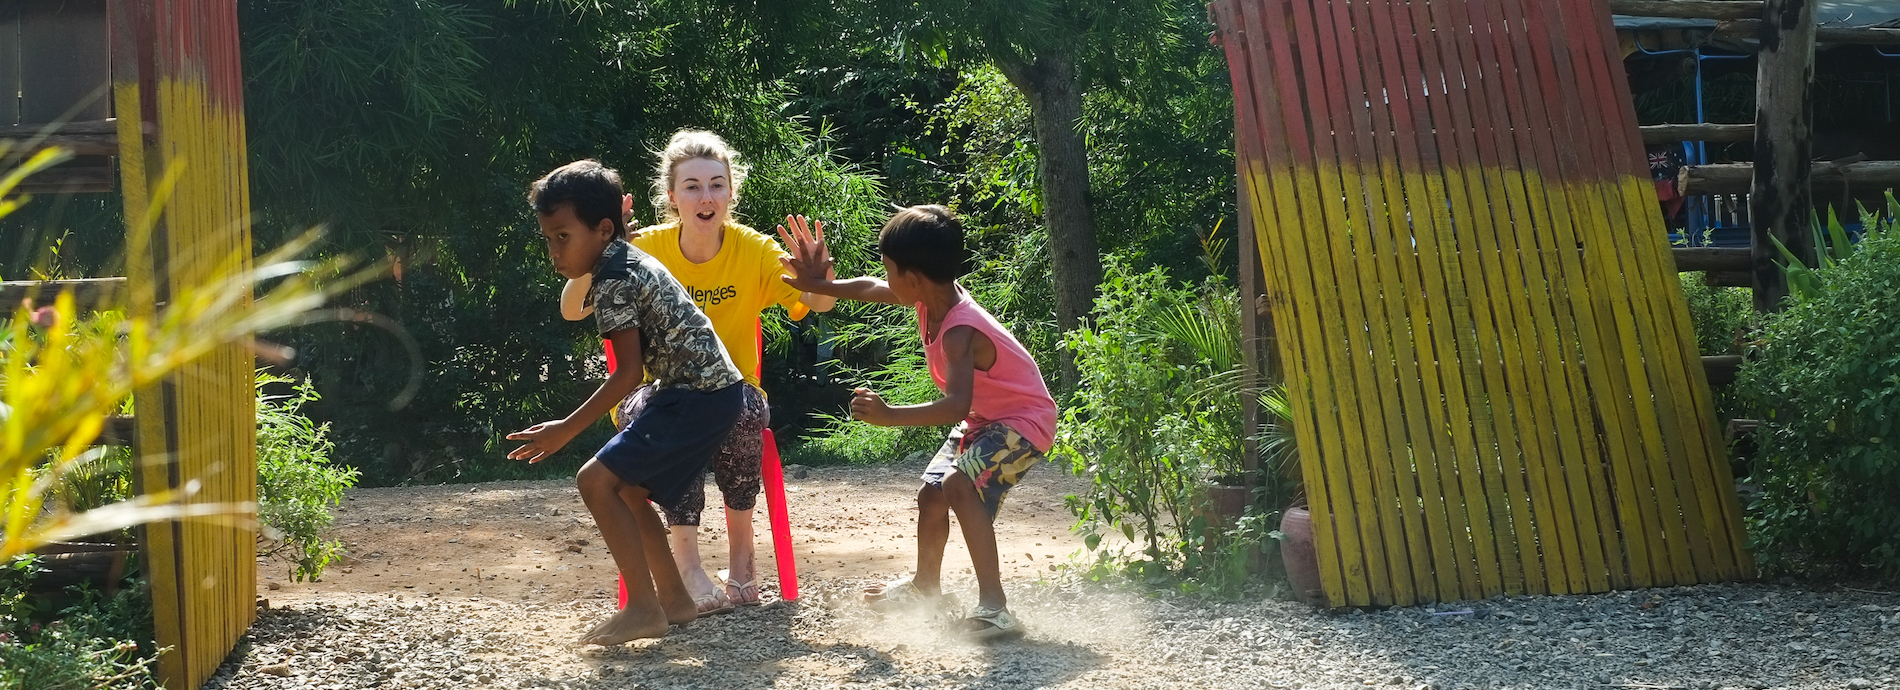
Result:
x=177 y=92
x=1488 y=359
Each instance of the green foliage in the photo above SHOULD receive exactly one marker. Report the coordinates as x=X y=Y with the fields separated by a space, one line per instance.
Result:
x=1720 y=314
x=1824 y=377
x=16 y=605
x=903 y=379
x=411 y=129
x=97 y=642
x=1133 y=430
x=1832 y=245
x=296 y=482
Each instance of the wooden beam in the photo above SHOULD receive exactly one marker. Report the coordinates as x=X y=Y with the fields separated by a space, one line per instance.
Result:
x=87 y=138
x=1688 y=9
x=1825 y=35
x=76 y=176
x=78 y=144
x=107 y=126
x=88 y=293
x=1721 y=369
x=1669 y=134
x=1781 y=199
x=1251 y=366
x=1735 y=178
x=1710 y=259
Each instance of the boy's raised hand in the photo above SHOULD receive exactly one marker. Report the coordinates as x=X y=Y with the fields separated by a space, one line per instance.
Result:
x=869 y=407
x=542 y=440
x=810 y=261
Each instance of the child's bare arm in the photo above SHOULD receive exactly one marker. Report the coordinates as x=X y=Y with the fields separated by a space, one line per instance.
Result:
x=960 y=345
x=547 y=437
x=862 y=288
x=810 y=266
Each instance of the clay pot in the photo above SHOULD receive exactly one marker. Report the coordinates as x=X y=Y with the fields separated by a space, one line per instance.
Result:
x=70 y=563
x=1300 y=556
x=1225 y=505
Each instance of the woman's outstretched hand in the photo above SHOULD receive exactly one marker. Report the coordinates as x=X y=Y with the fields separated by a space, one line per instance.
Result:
x=810 y=263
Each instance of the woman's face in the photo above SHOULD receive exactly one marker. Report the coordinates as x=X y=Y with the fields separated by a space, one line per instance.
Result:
x=702 y=192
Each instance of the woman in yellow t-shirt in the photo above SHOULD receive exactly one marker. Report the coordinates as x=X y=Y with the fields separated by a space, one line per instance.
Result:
x=732 y=272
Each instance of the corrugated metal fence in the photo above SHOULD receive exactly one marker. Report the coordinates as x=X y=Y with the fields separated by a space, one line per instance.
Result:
x=1496 y=384
x=177 y=91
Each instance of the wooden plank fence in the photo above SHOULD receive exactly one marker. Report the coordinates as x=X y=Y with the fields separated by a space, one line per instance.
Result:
x=177 y=91
x=1496 y=388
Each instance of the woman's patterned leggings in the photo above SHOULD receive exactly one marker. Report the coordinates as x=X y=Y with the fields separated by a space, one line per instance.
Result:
x=735 y=467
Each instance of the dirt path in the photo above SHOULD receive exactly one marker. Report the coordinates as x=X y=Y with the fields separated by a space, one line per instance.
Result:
x=474 y=586
x=532 y=541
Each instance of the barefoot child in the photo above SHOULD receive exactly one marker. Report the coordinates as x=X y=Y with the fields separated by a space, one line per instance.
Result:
x=653 y=328
x=992 y=391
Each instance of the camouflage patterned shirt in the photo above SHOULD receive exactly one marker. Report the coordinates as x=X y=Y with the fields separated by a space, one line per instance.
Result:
x=633 y=291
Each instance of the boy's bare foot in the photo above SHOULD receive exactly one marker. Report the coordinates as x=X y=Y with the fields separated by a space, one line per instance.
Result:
x=679 y=607
x=631 y=623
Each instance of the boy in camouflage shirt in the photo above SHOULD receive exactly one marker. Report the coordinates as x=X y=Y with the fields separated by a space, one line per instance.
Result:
x=654 y=329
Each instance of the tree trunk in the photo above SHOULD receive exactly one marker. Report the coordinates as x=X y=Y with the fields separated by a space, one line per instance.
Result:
x=1781 y=203
x=1055 y=103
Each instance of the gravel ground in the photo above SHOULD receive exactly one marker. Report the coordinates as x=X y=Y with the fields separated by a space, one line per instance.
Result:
x=1081 y=636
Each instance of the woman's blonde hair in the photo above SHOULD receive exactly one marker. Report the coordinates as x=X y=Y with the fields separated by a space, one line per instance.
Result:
x=686 y=145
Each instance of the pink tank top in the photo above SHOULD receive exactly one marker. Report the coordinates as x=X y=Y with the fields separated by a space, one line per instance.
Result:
x=1012 y=391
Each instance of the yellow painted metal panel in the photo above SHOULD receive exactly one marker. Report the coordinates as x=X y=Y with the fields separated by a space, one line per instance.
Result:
x=1494 y=381
x=199 y=425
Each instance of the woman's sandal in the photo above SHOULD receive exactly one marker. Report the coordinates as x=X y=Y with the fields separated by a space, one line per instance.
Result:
x=712 y=604
x=741 y=598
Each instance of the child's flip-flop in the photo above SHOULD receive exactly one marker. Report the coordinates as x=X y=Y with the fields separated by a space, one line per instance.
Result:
x=902 y=593
x=986 y=624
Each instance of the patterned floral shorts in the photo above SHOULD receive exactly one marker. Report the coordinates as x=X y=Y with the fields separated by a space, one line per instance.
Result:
x=735 y=467
x=993 y=456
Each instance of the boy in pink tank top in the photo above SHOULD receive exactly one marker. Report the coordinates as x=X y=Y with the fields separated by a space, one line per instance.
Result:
x=992 y=391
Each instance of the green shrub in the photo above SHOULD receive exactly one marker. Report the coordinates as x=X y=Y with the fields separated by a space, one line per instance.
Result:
x=1154 y=420
x=1720 y=314
x=1824 y=377
x=296 y=482
x=97 y=642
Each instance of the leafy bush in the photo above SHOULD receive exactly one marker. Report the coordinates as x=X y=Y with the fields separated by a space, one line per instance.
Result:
x=1825 y=379
x=296 y=482
x=98 y=641
x=1145 y=427
x=1720 y=314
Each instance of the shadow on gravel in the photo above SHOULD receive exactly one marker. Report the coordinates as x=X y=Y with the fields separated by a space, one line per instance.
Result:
x=753 y=649
x=1705 y=637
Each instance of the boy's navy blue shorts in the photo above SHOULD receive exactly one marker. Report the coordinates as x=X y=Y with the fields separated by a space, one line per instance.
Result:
x=668 y=447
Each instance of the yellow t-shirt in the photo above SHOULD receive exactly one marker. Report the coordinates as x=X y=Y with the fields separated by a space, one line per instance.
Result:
x=738 y=283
